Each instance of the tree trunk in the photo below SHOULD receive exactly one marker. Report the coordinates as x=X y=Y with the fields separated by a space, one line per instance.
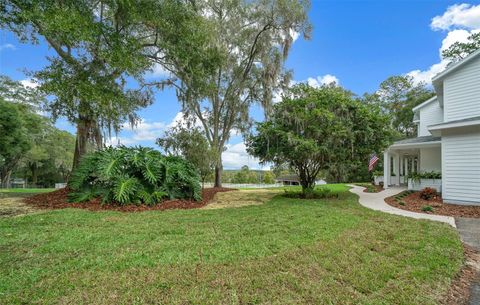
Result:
x=307 y=183
x=33 y=169
x=218 y=176
x=6 y=178
x=87 y=130
x=81 y=141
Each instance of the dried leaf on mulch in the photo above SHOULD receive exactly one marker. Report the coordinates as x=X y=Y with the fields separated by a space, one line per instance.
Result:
x=414 y=203
x=58 y=200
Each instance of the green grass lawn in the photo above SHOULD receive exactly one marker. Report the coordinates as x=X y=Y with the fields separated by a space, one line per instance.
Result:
x=286 y=251
x=20 y=192
x=26 y=190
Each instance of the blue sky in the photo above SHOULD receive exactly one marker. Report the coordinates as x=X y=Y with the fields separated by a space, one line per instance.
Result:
x=358 y=44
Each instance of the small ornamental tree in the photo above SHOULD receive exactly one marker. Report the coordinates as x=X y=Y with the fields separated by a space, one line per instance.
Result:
x=268 y=178
x=315 y=129
x=191 y=144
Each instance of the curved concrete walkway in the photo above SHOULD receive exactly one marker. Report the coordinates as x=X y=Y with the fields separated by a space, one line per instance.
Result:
x=376 y=201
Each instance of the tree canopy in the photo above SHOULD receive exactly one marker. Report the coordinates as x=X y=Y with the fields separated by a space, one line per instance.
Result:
x=397 y=96
x=241 y=65
x=320 y=129
x=31 y=145
x=103 y=49
x=14 y=137
x=459 y=50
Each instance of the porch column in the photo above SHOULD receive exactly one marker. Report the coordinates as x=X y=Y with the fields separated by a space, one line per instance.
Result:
x=405 y=161
x=386 y=169
x=396 y=168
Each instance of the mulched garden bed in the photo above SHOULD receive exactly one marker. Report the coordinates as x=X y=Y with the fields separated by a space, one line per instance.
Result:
x=413 y=202
x=58 y=200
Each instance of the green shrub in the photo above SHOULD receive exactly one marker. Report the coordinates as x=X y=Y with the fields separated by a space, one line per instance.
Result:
x=317 y=193
x=427 y=208
x=133 y=175
x=425 y=175
x=401 y=203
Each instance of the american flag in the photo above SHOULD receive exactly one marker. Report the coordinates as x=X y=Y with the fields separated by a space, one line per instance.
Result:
x=373 y=160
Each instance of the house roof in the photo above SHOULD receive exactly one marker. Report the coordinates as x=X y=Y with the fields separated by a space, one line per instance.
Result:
x=424 y=139
x=437 y=81
x=432 y=99
x=454 y=67
x=415 y=143
x=469 y=122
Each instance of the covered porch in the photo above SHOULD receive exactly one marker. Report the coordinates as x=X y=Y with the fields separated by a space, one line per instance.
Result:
x=421 y=154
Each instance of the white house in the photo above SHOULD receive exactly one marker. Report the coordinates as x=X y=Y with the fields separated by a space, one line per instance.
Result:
x=448 y=139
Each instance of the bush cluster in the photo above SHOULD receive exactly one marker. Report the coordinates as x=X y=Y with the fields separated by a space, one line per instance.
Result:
x=316 y=193
x=428 y=193
x=133 y=175
x=425 y=175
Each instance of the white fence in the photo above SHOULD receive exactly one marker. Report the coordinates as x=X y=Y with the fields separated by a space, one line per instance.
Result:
x=246 y=185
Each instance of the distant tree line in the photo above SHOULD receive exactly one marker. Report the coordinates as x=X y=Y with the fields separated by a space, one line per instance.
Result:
x=31 y=148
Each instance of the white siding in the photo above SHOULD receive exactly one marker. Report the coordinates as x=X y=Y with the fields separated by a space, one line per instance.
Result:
x=462 y=92
x=431 y=159
x=429 y=115
x=461 y=167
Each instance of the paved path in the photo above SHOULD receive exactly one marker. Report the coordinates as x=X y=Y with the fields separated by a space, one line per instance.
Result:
x=375 y=201
x=469 y=229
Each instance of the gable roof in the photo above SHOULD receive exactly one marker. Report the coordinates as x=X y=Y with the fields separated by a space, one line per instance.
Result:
x=437 y=80
x=432 y=99
x=454 y=67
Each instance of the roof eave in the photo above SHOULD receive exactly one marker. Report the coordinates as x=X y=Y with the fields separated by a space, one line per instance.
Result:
x=437 y=129
x=415 y=145
x=455 y=66
x=432 y=99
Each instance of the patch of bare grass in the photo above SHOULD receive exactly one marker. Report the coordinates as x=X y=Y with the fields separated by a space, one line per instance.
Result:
x=241 y=198
x=14 y=206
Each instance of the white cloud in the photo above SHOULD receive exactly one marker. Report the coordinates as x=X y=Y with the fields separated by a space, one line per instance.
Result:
x=158 y=71
x=462 y=20
x=181 y=120
x=315 y=82
x=427 y=75
x=326 y=79
x=463 y=15
x=146 y=131
x=7 y=46
x=454 y=36
x=294 y=34
x=117 y=141
x=236 y=156
x=143 y=131
x=29 y=83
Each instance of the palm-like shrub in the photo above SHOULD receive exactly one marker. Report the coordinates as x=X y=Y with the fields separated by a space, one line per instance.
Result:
x=133 y=175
